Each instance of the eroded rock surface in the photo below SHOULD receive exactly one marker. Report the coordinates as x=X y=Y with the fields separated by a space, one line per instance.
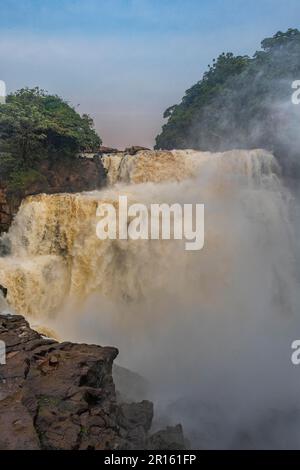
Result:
x=62 y=396
x=60 y=177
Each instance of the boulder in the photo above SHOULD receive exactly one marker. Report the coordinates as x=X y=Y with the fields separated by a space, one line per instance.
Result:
x=135 y=149
x=61 y=396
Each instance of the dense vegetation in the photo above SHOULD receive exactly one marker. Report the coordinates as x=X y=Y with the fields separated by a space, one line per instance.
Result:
x=36 y=126
x=242 y=102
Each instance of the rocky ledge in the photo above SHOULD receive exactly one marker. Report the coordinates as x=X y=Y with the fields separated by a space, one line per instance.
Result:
x=62 y=396
x=57 y=177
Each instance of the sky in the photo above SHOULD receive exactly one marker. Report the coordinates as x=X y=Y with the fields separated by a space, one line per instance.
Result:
x=125 y=61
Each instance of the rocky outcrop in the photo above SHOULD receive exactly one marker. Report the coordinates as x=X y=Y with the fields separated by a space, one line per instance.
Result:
x=135 y=149
x=84 y=173
x=62 y=396
x=129 y=385
x=103 y=150
x=55 y=177
x=7 y=209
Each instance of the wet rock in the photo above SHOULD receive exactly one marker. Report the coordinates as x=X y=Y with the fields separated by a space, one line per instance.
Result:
x=16 y=424
x=131 y=415
x=53 y=360
x=55 y=177
x=62 y=396
x=134 y=149
x=130 y=386
x=4 y=291
x=171 y=438
x=103 y=150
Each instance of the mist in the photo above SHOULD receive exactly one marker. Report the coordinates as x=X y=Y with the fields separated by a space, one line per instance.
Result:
x=210 y=331
x=255 y=110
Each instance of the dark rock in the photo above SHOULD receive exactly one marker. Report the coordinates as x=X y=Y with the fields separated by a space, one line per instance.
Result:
x=130 y=386
x=103 y=150
x=4 y=291
x=81 y=174
x=62 y=396
x=5 y=243
x=170 y=438
x=131 y=415
x=17 y=429
x=134 y=149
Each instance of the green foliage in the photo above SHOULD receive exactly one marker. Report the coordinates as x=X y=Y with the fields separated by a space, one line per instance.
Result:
x=35 y=126
x=290 y=39
x=24 y=179
x=241 y=102
x=181 y=117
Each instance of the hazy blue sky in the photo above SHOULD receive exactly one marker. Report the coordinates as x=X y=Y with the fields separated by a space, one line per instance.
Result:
x=125 y=61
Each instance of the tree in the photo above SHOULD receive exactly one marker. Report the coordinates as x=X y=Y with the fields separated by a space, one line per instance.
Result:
x=35 y=126
x=243 y=102
x=175 y=134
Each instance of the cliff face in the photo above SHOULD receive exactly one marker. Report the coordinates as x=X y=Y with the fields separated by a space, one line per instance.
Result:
x=62 y=396
x=59 y=177
x=6 y=211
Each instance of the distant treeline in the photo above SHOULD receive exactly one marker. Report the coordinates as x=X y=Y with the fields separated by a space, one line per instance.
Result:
x=242 y=102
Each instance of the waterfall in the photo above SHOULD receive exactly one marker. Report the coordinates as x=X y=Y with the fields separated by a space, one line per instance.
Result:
x=216 y=324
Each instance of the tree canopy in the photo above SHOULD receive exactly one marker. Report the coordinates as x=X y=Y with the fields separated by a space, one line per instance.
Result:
x=242 y=102
x=35 y=126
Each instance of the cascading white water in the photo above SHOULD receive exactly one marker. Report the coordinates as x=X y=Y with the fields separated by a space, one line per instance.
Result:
x=211 y=330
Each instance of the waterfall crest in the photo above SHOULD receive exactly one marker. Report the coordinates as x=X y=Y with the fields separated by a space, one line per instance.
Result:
x=56 y=256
